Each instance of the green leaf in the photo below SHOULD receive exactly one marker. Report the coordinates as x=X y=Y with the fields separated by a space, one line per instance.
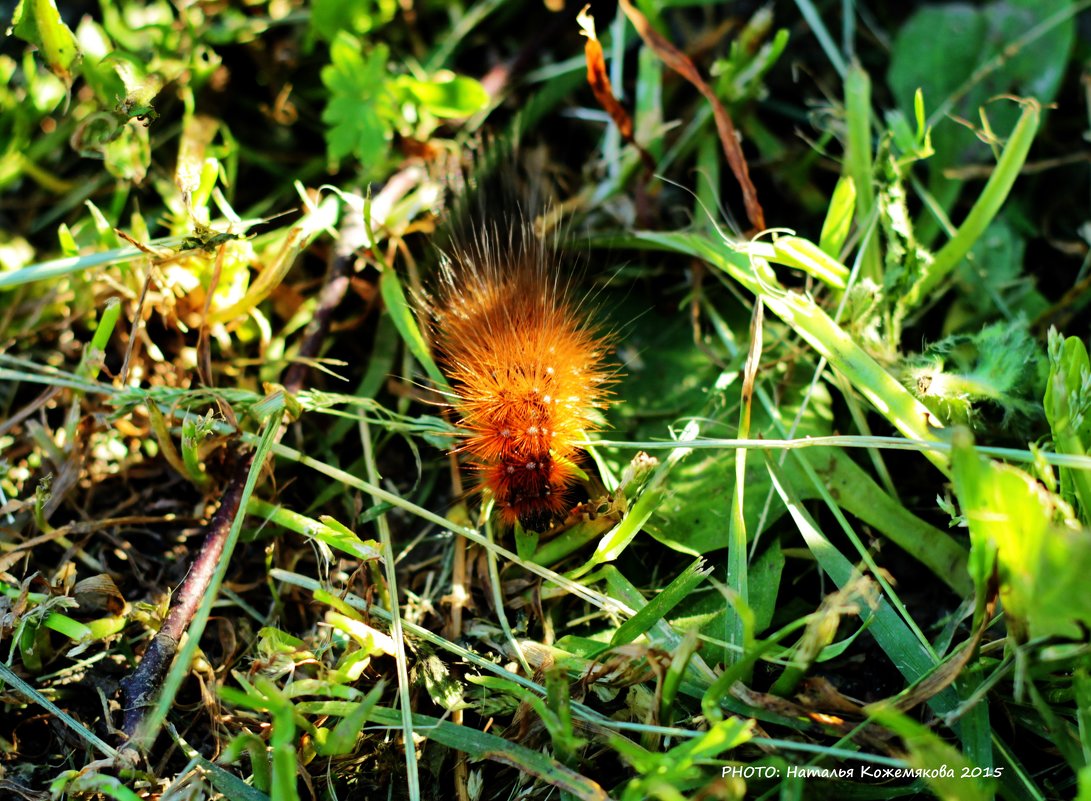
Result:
x=76 y=782
x=809 y=321
x=679 y=767
x=1025 y=533
x=861 y=496
x=357 y=122
x=260 y=770
x=945 y=770
x=1067 y=403
x=664 y=601
x=1001 y=366
x=835 y=229
x=397 y=306
x=345 y=734
x=1009 y=166
x=443 y=688
x=482 y=745
x=128 y=155
x=39 y=22
x=330 y=17
x=912 y=657
x=456 y=96
x=328 y=530
x=994 y=281
x=940 y=47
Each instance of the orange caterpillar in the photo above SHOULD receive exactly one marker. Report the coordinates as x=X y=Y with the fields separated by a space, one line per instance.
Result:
x=527 y=369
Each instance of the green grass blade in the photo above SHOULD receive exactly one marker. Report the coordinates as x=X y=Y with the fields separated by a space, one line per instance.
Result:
x=984 y=209
x=905 y=650
x=661 y=605
x=858 y=162
x=9 y=677
x=885 y=392
x=394 y=606
x=482 y=745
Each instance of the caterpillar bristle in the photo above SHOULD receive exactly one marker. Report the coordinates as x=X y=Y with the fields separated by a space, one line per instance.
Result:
x=527 y=369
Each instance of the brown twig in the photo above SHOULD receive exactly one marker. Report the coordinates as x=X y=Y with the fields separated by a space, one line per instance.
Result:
x=142 y=686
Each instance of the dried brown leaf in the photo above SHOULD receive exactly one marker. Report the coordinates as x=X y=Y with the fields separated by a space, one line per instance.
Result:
x=599 y=81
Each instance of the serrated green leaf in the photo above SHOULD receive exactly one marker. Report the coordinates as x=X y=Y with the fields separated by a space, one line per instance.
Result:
x=357 y=85
x=1000 y=365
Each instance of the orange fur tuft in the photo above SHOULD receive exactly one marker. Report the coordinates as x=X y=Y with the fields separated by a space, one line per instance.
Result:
x=526 y=368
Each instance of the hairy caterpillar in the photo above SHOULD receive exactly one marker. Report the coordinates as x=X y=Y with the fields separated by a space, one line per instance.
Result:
x=528 y=370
